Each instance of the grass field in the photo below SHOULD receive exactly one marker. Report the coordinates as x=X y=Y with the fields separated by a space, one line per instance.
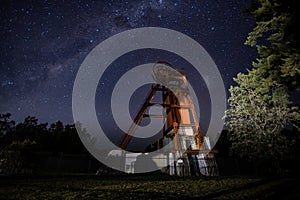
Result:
x=145 y=187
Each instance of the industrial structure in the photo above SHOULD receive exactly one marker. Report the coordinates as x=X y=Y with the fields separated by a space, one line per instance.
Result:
x=190 y=153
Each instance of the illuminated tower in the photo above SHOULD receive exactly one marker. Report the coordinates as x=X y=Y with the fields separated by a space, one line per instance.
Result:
x=179 y=119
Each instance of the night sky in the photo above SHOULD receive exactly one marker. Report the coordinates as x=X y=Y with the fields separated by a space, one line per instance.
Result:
x=43 y=44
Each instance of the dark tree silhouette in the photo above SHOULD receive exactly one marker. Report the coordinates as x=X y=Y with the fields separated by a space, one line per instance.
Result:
x=54 y=138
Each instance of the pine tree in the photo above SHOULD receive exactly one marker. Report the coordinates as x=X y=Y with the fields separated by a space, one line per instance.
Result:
x=259 y=105
x=276 y=37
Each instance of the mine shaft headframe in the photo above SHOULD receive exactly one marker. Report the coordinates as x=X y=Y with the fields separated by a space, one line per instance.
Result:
x=164 y=73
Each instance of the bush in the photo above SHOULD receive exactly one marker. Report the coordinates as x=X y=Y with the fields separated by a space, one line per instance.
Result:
x=17 y=158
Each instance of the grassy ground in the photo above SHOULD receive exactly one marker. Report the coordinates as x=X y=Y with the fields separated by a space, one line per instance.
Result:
x=145 y=187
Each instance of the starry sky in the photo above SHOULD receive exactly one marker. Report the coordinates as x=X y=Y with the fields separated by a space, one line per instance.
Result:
x=43 y=44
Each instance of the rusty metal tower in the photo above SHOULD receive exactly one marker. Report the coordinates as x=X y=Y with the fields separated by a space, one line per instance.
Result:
x=180 y=121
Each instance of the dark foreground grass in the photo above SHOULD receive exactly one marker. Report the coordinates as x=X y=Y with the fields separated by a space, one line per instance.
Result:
x=141 y=187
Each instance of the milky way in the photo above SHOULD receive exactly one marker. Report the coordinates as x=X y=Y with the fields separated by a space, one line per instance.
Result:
x=43 y=43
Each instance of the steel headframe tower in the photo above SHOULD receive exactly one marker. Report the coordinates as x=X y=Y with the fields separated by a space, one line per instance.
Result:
x=179 y=117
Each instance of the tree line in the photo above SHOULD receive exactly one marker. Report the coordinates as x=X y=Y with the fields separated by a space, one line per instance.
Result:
x=55 y=137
